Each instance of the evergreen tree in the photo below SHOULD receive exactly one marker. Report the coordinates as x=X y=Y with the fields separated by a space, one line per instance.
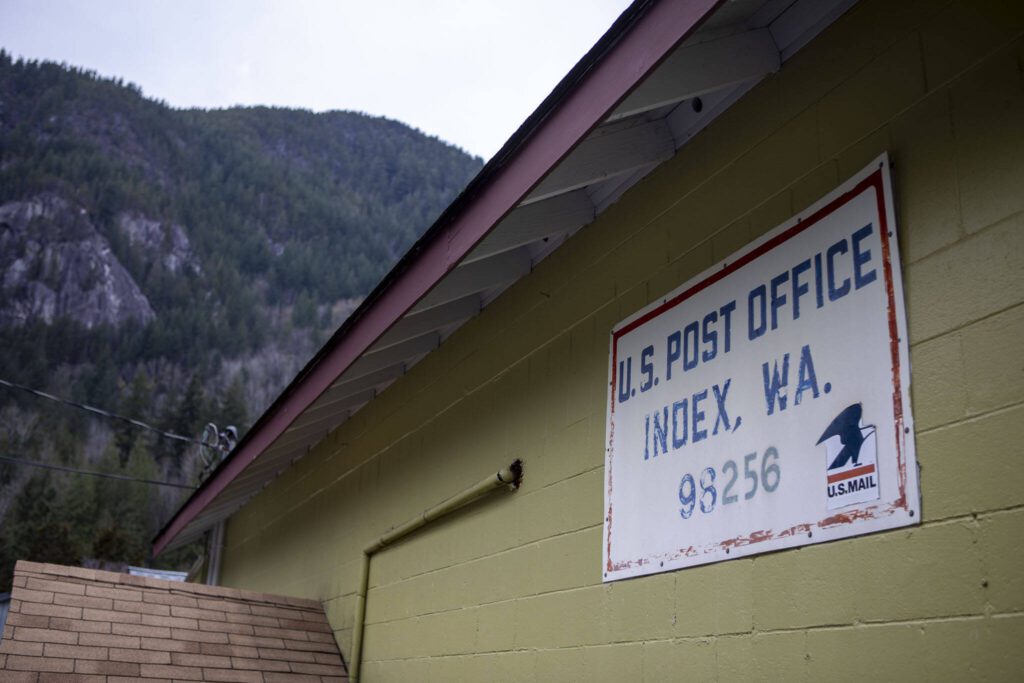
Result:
x=123 y=526
x=304 y=311
x=41 y=535
x=187 y=419
x=78 y=508
x=232 y=407
x=135 y=404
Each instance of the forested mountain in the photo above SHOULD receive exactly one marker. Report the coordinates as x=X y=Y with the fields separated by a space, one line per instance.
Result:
x=178 y=267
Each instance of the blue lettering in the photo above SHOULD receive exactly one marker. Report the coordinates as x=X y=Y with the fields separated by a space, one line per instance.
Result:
x=677 y=440
x=774 y=384
x=723 y=415
x=661 y=431
x=778 y=300
x=755 y=331
x=799 y=289
x=807 y=378
x=860 y=258
x=647 y=437
x=698 y=416
x=625 y=379
x=835 y=293
x=819 y=292
x=690 y=346
x=710 y=337
x=689 y=421
x=675 y=349
x=726 y=313
x=647 y=368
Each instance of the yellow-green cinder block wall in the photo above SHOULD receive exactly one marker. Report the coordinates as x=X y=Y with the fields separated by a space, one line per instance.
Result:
x=510 y=588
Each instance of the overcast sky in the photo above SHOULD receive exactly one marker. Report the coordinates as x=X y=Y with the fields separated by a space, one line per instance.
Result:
x=468 y=72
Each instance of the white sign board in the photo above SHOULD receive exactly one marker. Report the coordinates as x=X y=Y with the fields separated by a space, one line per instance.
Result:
x=765 y=404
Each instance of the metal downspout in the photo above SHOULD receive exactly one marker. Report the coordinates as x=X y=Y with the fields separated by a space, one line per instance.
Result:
x=216 y=551
x=507 y=476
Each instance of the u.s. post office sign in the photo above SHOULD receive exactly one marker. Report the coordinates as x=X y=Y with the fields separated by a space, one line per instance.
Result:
x=765 y=403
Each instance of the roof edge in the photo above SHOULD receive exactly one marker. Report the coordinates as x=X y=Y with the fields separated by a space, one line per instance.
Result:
x=636 y=43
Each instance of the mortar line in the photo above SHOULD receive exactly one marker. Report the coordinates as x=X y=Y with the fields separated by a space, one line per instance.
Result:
x=711 y=638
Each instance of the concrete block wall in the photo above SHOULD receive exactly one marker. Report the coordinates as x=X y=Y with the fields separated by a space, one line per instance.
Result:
x=510 y=588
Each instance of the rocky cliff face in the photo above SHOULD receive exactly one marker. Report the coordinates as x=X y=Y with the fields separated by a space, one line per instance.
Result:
x=56 y=264
x=167 y=242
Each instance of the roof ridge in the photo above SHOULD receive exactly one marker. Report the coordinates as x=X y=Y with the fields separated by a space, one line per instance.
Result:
x=129 y=580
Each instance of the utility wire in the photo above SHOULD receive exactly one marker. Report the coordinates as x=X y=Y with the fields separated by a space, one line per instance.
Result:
x=101 y=412
x=93 y=473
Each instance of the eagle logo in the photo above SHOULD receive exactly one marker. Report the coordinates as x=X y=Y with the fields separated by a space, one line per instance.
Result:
x=850 y=451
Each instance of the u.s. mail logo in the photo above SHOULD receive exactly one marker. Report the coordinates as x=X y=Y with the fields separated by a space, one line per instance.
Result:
x=851 y=457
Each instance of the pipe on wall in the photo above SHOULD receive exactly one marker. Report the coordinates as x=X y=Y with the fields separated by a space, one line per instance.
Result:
x=507 y=476
x=216 y=551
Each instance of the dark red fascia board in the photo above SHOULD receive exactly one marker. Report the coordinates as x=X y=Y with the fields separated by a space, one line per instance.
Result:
x=639 y=40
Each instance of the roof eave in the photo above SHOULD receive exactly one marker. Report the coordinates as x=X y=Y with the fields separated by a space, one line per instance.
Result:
x=642 y=37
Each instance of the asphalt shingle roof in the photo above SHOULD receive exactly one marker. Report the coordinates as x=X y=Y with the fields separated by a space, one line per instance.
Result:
x=75 y=624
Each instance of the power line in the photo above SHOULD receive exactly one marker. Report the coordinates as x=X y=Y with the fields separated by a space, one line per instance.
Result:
x=100 y=412
x=92 y=473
